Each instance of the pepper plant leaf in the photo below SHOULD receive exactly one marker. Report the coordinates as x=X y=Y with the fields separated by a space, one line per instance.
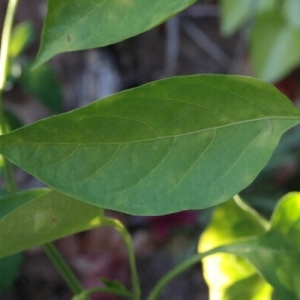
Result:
x=275 y=254
x=171 y=145
x=35 y=217
x=229 y=276
x=76 y=25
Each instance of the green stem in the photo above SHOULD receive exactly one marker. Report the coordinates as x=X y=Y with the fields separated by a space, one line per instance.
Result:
x=5 y=41
x=179 y=269
x=63 y=268
x=128 y=242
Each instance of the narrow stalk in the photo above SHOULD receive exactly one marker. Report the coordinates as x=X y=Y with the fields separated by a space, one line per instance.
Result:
x=179 y=269
x=63 y=268
x=128 y=242
x=5 y=41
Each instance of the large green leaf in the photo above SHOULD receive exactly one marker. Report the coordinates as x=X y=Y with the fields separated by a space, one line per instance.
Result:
x=276 y=254
x=36 y=217
x=176 y=144
x=274 y=46
x=228 y=276
x=76 y=25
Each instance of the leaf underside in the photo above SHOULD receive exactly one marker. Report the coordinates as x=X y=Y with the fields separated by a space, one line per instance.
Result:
x=76 y=25
x=176 y=144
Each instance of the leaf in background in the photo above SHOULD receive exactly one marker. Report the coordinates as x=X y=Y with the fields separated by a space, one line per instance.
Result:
x=234 y=13
x=230 y=277
x=9 y=267
x=79 y=25
x=22 y=36
x=114 y=285
x=36 y=217
x=291 y=10
x=171 y=145
x=12 y=120
x=43 y=84
x=274 y=46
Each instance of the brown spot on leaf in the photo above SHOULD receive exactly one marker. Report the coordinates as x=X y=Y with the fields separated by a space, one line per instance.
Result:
x=54 y=220
x=68 y=38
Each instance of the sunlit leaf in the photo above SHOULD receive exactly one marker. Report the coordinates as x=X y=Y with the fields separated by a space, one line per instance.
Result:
x=176 y=144
x=36 y=217
x=275 y=254
x=230 y=277
x=274 y=46
x=76 y=25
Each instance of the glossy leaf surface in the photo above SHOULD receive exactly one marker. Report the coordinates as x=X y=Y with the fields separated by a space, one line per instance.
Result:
x=229 y=276
x=36 y=217
x=274 y=46
x=176 y=144
x=76 y=25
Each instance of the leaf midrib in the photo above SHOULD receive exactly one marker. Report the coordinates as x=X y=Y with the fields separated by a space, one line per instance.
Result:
x=162 y=137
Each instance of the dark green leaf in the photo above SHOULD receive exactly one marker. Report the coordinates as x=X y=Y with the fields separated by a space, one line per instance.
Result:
x=292 y=12
x=79 y=25
x=176 y=144
x=228 y=276
x=9 y=267
x=114 y=285
x=274 y=46
x=36 y=217
x=43 y=84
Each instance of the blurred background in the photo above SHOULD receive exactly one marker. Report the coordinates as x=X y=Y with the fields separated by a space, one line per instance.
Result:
x=246 y=37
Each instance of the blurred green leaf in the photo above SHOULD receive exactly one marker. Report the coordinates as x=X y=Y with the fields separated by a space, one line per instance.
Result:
x=22 y=36
x=35 y=217
x=274 y=46
x=156 y=149
x=228 y=276
x=234 y=13
x=79 y=25
x=43 y=84
x=9 y=267
x=292 y=12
